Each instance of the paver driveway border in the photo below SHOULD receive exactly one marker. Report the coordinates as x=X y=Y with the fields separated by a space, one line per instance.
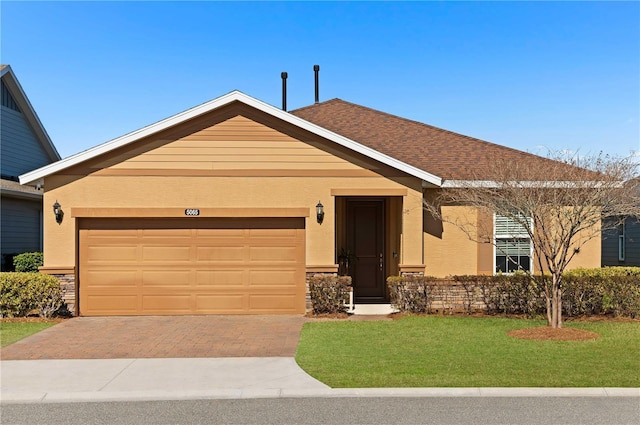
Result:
x=138 y=337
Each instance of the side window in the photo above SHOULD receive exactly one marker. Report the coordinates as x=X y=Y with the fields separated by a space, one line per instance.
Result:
x=512 y=245
x=621 y=241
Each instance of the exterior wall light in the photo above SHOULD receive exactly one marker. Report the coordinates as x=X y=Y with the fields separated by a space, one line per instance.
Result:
x=320 y=212
x=57 y=210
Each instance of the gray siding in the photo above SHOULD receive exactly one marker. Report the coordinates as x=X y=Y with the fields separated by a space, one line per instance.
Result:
x=20 y=150
x=20 y=225
x=632 y=245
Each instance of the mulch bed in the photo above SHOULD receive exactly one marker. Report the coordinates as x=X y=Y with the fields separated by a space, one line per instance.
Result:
x=546 y=333
x=31 y=319
x=542 y=333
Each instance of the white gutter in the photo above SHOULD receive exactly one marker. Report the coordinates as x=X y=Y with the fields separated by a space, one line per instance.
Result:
x=490 y=184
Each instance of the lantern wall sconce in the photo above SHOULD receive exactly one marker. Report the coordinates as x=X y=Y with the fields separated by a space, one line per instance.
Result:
x=57 y=210
x=320 y=212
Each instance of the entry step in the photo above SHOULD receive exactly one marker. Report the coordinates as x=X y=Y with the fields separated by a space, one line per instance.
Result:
x=373 y=309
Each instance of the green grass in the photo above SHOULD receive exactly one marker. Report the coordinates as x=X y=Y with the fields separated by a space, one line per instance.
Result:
x=11 y=332
x=466 y=352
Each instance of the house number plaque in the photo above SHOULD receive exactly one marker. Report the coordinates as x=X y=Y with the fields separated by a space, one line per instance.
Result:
x=192 y=211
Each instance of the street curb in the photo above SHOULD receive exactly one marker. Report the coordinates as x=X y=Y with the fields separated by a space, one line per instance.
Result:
x=230 y=393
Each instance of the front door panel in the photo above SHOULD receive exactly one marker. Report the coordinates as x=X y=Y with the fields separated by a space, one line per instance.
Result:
x=365 y=233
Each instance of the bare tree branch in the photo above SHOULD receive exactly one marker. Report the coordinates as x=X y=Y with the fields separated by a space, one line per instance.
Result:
x=561 y=203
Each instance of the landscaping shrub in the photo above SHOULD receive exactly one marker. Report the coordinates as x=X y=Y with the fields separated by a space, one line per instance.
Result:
x=611 y=291
x=329 y=293
x=515 y=293
x=24 y=293
x=476 y=288
x=412 y=294
x=28 y=262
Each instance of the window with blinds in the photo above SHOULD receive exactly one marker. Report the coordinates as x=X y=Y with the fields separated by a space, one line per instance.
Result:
x=513 y=245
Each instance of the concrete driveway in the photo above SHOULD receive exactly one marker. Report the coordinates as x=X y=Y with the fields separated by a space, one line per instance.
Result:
x=162 y=337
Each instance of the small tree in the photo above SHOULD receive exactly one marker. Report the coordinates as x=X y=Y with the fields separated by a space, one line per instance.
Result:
x=559 y=202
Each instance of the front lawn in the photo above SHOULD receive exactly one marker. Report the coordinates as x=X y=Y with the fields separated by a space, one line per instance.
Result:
x=433 y=351
x=15 y=330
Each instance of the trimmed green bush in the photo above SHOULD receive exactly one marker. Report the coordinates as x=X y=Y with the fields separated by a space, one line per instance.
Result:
x=515 y=293
x=610 y=291
x=411 y=294
x=24 y=293
x=329 y=293
x=28 y=262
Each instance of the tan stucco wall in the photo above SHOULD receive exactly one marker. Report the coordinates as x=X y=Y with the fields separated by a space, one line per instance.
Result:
x=237 y=164
x=248 y=163
x=452 y=252
x=590 y=254
x=203 y=192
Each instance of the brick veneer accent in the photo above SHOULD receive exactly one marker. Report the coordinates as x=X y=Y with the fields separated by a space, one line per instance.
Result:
x=307 y=297
x=68 y=285
x=450 y=296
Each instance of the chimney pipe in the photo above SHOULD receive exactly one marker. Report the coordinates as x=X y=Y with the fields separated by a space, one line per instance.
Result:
x=284 y=90
x=316 y=68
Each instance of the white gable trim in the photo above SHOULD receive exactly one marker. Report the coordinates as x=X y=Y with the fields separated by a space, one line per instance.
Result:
x=221 y=101
x=29 y=113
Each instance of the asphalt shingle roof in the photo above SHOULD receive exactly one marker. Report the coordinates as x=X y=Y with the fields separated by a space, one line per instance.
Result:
x=441 y=152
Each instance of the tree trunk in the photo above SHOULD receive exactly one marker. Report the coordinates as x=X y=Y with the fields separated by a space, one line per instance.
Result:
x=559 y=307
x=548 y=295
x=556 y=303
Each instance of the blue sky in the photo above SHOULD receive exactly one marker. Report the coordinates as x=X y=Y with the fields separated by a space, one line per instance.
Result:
x=532 y=76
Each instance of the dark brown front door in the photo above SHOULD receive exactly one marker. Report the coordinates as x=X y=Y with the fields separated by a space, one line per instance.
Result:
x=365 y=239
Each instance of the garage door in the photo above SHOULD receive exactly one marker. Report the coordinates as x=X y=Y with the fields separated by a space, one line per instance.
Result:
x=191 y=266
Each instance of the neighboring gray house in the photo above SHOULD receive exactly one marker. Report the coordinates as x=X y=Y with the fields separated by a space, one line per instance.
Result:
x=621 y=245
x=24 y=146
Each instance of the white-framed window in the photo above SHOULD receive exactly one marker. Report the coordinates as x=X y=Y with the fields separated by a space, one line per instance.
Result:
x=513 y=248
x=621 y=242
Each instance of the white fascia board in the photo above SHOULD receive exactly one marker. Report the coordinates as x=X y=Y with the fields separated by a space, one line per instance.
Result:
x=490 y=184
x=214 y=104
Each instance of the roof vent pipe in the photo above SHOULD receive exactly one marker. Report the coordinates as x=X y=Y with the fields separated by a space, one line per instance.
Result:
x=316 y=68
x=284 y=90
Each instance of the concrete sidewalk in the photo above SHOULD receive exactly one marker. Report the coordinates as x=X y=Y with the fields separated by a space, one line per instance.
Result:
x=61 y=381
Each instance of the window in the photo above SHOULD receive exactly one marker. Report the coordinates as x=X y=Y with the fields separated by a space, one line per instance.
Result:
x=621 y=242
x=513 y=245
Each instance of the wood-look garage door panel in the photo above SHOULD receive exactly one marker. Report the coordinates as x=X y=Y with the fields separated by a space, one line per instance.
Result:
x=280 y=254
x=108 y=253
x=97 y=278
x=112 y=304
x=166 y=278
x=219 y=267
x=221 y=304
x=220 y=278
x=166 y=252
x=277 y=278
x=268 y=303
x=220 y=254
x=163 y=304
